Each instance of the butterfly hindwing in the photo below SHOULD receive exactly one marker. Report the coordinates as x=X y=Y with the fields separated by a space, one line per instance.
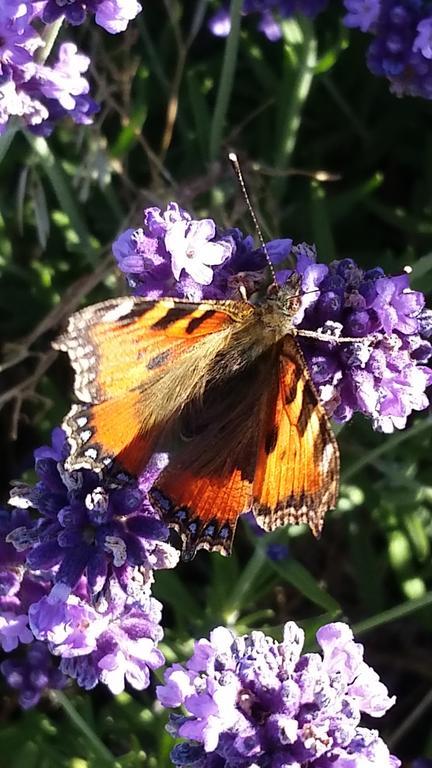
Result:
x=209 y=480
x=297 y=471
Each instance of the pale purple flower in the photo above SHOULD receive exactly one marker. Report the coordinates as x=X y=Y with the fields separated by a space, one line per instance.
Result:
x=193 y=250
x=423 y=41
x=252 y=701
x=14 y=630
x=386 y=377
x=113 y=642
x=112 y=15
x=269 y=12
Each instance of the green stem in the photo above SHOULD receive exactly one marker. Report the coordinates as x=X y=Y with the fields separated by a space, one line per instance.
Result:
x=49 y=37
x=99 y=747
x=226 y=80
x=369 y=457
x=299 y=70
x=244 y=584
x=64 y=193
x=7 y=138
x=393 y=614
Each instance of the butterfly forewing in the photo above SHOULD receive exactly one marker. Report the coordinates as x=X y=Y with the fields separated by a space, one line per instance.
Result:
x=136 y=364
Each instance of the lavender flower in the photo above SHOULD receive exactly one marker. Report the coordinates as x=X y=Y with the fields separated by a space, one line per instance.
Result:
x=38 y=95
x=384 y=376
x=385 y=379
x=252 y=701
x=85 y=527
x=362 y=14
x=78 y=578
x=18 y=589
x=113 y=642
x=61 y=91
x=401 y=49
x=270 y=12
x=112 y=15
x=32 y=674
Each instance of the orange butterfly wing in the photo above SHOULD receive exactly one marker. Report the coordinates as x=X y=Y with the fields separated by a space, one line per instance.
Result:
x=208 y=482
x=297 y=471
x=267 y=444
x=121 y=350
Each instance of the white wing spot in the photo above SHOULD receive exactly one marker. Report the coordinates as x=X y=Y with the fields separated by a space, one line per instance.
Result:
x=119 y=311
x=91 y=453
x=85 y=435
x=327 y=457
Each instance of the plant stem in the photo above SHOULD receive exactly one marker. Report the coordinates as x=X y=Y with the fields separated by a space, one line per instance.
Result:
x=99 y=747
x=244 y=583
x=49 y=37
x=226 y=80
x=369 y=457
x=299 y=69
x=392 y=614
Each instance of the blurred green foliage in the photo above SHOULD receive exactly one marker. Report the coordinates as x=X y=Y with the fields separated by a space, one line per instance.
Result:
x=330 y=157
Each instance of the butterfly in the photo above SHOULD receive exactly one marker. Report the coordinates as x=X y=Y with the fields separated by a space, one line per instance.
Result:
x=224 y=388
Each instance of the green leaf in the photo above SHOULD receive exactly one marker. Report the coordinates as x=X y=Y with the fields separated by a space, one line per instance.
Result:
x=65 y=194
x=299 y=577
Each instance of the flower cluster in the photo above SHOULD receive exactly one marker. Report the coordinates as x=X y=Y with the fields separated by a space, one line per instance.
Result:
x=401 y=49
x=270 y=12
x=37 y=94
x=252 y=701
x=77 y=574
x=32 y=673
x=112 y=15
x=382 y=375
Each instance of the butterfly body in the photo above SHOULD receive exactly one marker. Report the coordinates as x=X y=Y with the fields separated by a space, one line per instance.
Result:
x=223 y=388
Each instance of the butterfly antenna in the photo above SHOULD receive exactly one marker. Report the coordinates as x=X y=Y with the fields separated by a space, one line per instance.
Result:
x=232 y=157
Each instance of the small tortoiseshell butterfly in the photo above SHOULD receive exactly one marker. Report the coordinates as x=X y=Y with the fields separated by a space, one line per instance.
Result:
x=223 y=387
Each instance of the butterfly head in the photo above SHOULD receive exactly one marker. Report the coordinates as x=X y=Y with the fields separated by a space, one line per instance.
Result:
x=287 y=297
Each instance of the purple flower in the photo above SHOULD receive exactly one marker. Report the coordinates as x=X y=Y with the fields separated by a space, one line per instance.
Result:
x=254 y=701
x=19 y=591
x=112 y=642
x=384 y=375
x=60 y=91
x=39 y=95
x=112 y=15
x=401 y=49
x=275 y=551
x=32 y=674
x=172 y=255
x=362 y=14
x=423 y=41
x=86 y=528
x=270 y=13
